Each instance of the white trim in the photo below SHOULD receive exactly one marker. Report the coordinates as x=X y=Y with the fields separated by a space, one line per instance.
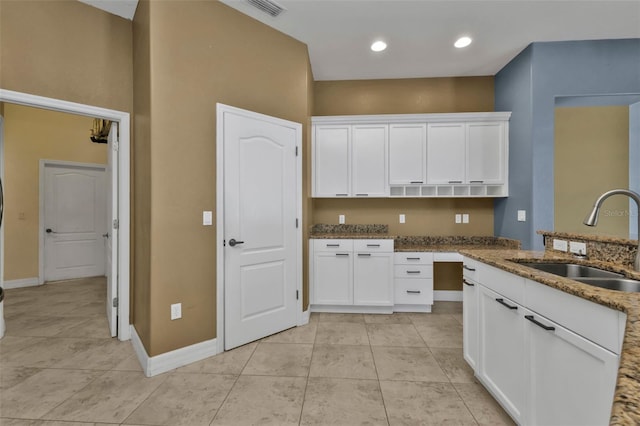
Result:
x=447 y=296
x=124 y=210
x=412 y=308
x=305 y=317
x=22 y=282
x=352 y=309
x=41 y=196
x=411 y=118
x=152 y=366
x=220 y=110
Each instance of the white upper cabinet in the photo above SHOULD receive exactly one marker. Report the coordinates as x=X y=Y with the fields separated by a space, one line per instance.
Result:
x=369 y=146
x=411 y=155
x=407 y=153
x=331 y=151
x=485 y=153
x=446 y=153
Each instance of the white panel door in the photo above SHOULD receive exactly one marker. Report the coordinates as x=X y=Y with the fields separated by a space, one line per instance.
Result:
x=369 y=161
x=331 y=161
x=407 y=153
x=74 y=221
x=485 y=153
x=445 y=153
x=260 y=205
x=111 y=233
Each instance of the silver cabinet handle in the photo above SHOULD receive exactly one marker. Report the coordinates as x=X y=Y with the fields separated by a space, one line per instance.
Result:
x=373 y=245
x=476 y=181
x=362 y=195
x=413 y=272
x=414 y=291
x=341 y=195
x=333 y=245
x=416 y=181
x=413 y=258
x=342 y=254
x=455 y=181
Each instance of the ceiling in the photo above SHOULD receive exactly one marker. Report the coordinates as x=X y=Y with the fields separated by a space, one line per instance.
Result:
x=420 y=33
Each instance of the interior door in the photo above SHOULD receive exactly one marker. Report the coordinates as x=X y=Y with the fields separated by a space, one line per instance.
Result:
x=111 y=234
x=260 y=205
x=74 y=221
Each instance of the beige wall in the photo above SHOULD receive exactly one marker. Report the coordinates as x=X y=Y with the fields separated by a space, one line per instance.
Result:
x=591 y=157
x=32 y=134
x=200 y=53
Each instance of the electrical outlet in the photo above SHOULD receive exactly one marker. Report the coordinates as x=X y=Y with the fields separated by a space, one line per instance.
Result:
x=341 y=219
x=465 y=218
x=560 y=245
x=458 y=218
x=207 y=218
x=402 y=218
x=576 y=247
x=522 y=215
x=176 y=311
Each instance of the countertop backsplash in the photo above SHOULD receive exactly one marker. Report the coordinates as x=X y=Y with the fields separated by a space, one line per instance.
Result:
x=605 y=249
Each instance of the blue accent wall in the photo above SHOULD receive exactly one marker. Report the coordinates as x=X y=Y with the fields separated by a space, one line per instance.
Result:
x=528 y=86
x=634 y=165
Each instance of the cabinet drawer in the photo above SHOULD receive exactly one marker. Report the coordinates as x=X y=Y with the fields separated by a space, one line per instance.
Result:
x=333 y=245
x=413 y=258
x=413 y=271
x=413 y=292
x=470 y=270
x=372 y=246
x=502 y=282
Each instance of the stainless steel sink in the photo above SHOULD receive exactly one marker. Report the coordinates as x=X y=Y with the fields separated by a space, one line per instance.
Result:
x=572 y=270
x=620 y=284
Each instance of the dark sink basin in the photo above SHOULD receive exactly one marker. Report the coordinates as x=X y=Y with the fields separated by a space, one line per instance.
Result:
x=620 y=284
x=572 y=270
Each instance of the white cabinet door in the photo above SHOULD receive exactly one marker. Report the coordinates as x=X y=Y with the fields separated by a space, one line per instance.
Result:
x=470 y=322
x=373 y=279
x=502 y=351
x=332 y=278
x=407 y=153
x=485 y=153
x=572 y=380
x=369 y=161
x=331 y=171
x=445 y=153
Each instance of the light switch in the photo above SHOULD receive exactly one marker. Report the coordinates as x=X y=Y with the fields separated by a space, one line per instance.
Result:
x=402 y=218
x=207 y=218
x=341 y=219
x=522 y=215
x=458 y=218
x=465 y=218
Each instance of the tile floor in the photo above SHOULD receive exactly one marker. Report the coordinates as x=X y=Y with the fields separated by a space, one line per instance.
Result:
x=58 y=366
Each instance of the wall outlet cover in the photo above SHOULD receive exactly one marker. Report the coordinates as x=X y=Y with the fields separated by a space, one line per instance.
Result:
x=207 y=218
x=458 y=218
x=576 y=247
x=341 y=219
x=402 y=218
x=465 y=218
x=176 y=311
x=560 y=245
x=522 y=215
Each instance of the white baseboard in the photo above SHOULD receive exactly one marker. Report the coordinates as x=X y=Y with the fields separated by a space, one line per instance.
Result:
x=306 y=316
x=162 y=363
x=447 y=296
x=22 y=282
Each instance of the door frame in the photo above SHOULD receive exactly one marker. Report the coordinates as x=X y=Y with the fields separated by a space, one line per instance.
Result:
x=220 y=223
x=124 y=211
x=41 y=195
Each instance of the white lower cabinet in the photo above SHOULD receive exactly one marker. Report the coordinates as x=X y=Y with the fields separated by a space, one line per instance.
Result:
x=413 y=282
x=502 y=352
x=543 y=369
x=351 y=275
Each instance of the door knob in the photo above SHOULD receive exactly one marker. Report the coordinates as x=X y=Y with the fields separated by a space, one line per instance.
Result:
x=233 y=242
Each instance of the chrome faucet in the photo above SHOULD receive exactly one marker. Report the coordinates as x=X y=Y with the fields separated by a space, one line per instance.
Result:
x=592 y=219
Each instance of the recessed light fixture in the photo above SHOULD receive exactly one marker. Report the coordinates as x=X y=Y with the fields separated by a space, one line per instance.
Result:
x=462 y=42
x=378 y=46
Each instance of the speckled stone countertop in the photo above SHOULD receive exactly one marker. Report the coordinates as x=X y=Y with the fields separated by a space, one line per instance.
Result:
x=626 y=404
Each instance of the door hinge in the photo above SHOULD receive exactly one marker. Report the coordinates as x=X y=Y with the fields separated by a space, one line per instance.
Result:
x=297 y=294
x=116 y=145
x=296 y=222
x=116 y=224
x=296 y=151
x=115 y=302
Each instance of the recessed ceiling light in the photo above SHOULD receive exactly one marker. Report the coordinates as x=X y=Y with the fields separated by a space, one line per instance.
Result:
x=462 y=42
x=378 y=46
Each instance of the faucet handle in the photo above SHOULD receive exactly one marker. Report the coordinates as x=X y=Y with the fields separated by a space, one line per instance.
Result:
x=580 y=255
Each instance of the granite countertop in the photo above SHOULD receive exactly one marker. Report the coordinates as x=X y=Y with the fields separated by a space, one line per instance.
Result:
x=626 y=404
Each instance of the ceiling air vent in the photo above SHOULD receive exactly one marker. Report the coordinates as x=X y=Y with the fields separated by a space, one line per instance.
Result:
x=267 y=6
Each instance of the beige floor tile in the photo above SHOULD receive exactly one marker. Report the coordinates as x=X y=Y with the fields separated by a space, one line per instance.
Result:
x=453 y=364
x=327 y=317
x=20 y=422
x=263 y=400
x=95 y=354
x=441 y=335
x=394 y=335
x=314 y=317
x=130 y=363
x=441 y=307
x=36 y=395
x=400 y=363
x=43 y=353
x=342 y=361
x=421 y=403
x=280 y=359
x=396 y=318
x=458 y=318
x=41 y=325
x=12 y=344
x=184 y=400
x=429 y=318
x=343 y=402
x=93 y=327
x=484 y=408
x=302 y=334
x=110 y=398
x=342 y=333
x=11 y=376
x=229 y=362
